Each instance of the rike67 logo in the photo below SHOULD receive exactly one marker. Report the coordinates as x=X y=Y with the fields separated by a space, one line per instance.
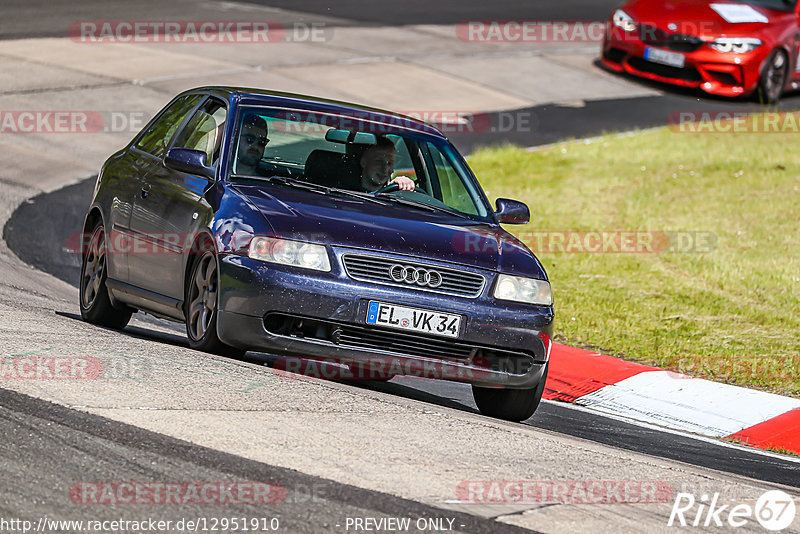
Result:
x=774 y=510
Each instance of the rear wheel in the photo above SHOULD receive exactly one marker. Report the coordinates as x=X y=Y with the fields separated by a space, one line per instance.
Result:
x=509 y=404
x=95 y=304
x=773 y=78
x=201 y=307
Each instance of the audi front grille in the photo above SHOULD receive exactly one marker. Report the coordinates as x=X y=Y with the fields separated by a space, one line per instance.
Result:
x=413 y=275
x=401 y=343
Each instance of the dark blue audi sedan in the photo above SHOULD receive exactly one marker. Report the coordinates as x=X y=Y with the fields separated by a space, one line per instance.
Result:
x=318 y=230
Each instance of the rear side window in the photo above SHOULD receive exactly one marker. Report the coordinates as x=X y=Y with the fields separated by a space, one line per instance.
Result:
x=156 y=137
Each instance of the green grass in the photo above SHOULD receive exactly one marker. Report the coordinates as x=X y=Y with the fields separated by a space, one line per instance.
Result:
x=730 y=314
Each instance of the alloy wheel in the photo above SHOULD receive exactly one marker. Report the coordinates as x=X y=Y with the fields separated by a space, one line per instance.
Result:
x=202 y=296
x=95 y=265
x=775 y=77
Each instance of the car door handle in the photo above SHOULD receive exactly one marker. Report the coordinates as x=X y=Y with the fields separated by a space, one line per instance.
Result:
x=145 y=190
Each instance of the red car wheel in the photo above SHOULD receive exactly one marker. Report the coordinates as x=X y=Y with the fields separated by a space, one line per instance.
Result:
x=773 y=77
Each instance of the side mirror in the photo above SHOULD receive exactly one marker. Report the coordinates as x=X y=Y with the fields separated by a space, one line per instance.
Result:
x=512 y=211
x=188 y=160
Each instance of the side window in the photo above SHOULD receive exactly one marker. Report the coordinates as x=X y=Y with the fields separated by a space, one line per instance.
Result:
x=205 y=130
x=454 y=192
x=157 y=136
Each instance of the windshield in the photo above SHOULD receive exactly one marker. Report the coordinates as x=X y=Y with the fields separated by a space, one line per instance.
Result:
x=779 y=5
x=356 y=155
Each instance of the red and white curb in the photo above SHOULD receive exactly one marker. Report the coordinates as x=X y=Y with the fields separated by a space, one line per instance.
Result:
x=650 y=395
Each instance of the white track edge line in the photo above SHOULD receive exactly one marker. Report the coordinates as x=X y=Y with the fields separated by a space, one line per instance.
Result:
x=700 y=437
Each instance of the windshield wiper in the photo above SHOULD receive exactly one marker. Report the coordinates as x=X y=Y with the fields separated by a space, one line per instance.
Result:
x=321 y=189
x=417 y=204
x=290 y=182
x=369 y=197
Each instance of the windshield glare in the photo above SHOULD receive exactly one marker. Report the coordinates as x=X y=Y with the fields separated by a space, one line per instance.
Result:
x=779 y=5
x=355 y=154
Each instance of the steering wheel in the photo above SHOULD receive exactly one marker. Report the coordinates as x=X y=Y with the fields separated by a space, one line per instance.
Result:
x=394 y=186
x=388 y=188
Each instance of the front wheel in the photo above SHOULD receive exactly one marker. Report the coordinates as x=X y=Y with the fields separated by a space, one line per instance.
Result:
x=201 y=308
x=95 y=304
x=509 y=404
x=773 y=78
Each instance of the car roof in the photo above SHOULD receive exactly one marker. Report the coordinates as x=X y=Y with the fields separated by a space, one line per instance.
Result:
x=249 y=96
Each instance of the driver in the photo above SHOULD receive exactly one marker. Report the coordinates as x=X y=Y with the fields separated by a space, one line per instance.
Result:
x=377 y=165
x=252 y=142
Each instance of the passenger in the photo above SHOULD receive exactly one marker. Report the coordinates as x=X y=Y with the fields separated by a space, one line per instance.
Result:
x=252 y=141
x=377 y=165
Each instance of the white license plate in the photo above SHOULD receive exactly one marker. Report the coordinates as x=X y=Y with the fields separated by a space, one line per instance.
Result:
x=413 y=319
x=673 y=59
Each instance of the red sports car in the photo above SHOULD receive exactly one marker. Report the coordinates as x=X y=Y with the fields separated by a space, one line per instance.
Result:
x=724 y=47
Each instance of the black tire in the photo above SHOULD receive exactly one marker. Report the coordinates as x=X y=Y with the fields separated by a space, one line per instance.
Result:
x=509 y=404
x=773 y=77
x=95 y=304
x=201 y=290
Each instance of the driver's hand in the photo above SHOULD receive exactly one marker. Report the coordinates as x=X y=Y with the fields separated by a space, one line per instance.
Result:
x=404 y=183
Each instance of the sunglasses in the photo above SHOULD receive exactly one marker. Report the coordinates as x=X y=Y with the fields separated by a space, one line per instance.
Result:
x=250 y=138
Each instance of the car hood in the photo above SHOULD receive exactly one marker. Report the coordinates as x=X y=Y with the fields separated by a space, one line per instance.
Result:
x=361 y=224
x=697 y=17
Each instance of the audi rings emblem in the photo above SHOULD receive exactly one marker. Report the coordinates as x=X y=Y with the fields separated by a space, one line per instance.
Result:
x=415 y=275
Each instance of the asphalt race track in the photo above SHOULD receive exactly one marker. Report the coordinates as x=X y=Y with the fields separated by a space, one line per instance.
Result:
x=547 y=123
x=448 y=11
x=41 y=18
x=52 y=218
x=552 y=123
x=76 y=445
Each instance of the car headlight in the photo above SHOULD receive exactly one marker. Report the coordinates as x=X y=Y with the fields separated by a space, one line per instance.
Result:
x=623 y=20
x=286 y=252
x=737 y=45
x=519 y=289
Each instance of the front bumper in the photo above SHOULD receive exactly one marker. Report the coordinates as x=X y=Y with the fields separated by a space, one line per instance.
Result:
x=723 y=74
x=321 y=315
